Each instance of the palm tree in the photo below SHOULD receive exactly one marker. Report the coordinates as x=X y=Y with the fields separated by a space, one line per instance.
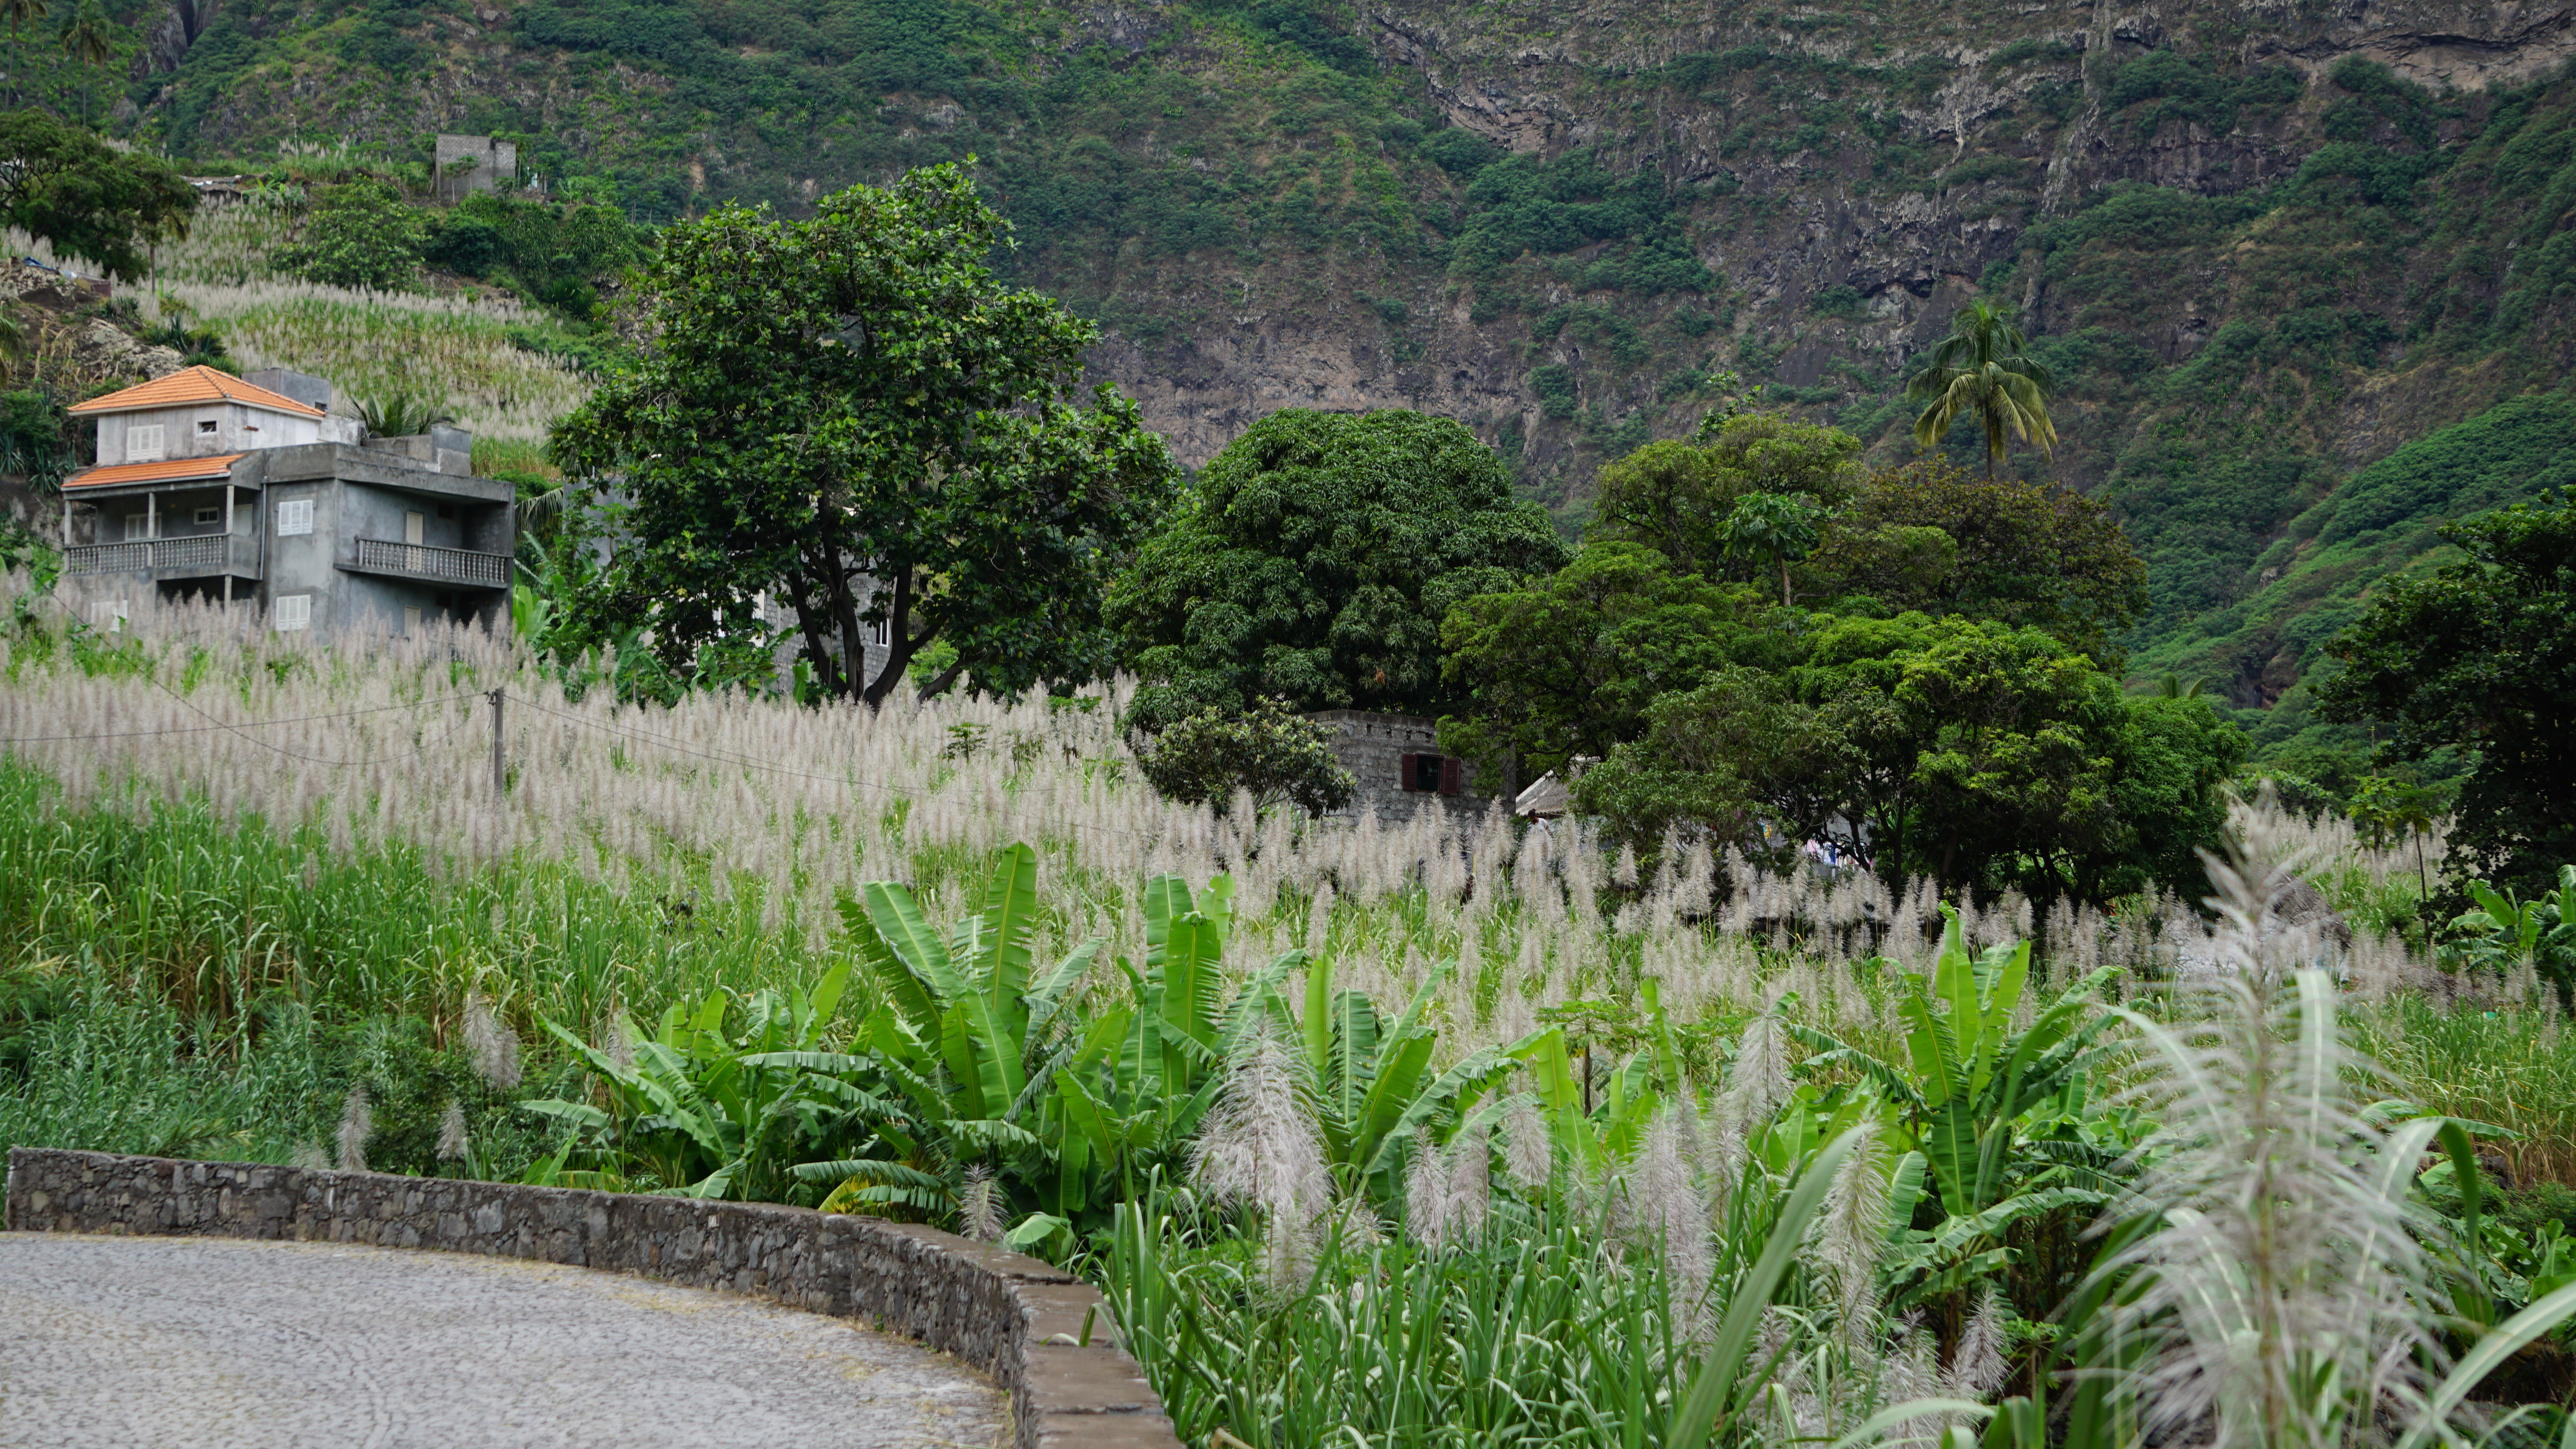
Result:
x=87 y=42
x=20 y=13
x=1983 y=370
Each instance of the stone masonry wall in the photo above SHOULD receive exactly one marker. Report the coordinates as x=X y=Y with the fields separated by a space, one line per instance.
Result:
x=1014 y=1317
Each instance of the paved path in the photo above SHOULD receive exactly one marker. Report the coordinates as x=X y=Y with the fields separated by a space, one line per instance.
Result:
x=213 y=1343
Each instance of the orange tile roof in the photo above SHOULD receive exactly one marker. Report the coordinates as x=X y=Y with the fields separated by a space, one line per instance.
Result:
x=174 y=470
x=197 y=384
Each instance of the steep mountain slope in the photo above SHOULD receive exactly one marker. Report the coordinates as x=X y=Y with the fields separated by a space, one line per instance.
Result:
x=2268 y=245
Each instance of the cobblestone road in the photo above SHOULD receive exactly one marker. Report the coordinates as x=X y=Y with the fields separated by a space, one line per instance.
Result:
x=213 y=1343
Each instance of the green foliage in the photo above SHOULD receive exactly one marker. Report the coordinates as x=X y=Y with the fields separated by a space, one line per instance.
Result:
x=2476 y=654
x=1274 y=756
x=2166 y=86
x=696 y=1110
x=1520 y=205
x=86 y=199
x=39 y=441
x=1776 y=528
x=1975 y=753
x=1984 y=371
x=1935 y=538
x=1675 y=497
x=401 y=414
x=358 y=234
x=1993 y=1117
x=1569 y=665
x=2504 y=934
x=941 y=480
x=1315 y=560
x=1837 y=300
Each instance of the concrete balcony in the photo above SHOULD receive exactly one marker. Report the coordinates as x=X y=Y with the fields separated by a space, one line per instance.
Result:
x=199 y=556
x=429 y=564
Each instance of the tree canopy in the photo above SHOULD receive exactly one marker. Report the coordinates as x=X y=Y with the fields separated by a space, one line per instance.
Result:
x=1315 y=560
x=1568 y=666
x=1973 y=752
x=851 y=413
x=1677 y=498
x=86 y=199
x=1933 y=537
x=2483 y=655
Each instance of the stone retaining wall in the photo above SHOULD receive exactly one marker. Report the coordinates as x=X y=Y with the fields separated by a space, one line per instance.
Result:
x=1014 y=1317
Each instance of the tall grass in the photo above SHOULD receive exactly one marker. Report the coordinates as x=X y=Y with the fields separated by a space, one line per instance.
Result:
x=455 y=348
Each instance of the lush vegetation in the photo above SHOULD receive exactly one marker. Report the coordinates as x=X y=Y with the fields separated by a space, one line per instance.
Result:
x=1487 y=1135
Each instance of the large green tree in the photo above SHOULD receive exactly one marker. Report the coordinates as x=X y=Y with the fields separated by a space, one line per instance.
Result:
x=1677 y=498
x=851 y=413
x=86 y=199
x=1315 y=561
x=1569 y=665
x=2482 y=655
x=1981 y=755
x=1933 y=537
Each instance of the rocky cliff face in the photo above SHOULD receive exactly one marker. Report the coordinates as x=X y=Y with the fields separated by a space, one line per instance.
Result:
x=1790 y=116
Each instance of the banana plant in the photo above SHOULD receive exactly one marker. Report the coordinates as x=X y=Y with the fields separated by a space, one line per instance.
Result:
x=2506 y=933
x=985 y=1050
x=1374 y=1084
x=1962 y=1106
x=702 y=1112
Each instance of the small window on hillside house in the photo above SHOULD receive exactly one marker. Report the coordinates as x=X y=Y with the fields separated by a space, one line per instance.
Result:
x=206 y=517
x=292 y=612
x=143 y=443
x=294 y=515
x=205 y=425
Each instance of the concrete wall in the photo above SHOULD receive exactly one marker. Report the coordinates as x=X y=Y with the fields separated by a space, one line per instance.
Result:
x=1372 y=747
x=996 y=1310
x=238 y=429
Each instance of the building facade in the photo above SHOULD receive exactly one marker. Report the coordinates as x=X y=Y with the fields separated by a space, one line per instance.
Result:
x=1396 y=763
x=249 y=493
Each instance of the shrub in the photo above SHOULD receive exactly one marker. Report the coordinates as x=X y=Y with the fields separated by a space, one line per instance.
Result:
x=1270 y=753
x=360 y=235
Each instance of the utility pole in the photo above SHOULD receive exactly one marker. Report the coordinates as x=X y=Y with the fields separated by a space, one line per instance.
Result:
x=500 y=781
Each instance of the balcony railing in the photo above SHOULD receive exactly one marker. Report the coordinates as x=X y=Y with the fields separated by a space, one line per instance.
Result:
x=422 y=561
x=199 y=556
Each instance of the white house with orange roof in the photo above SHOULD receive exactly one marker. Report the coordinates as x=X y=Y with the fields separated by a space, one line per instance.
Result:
x=251 y=492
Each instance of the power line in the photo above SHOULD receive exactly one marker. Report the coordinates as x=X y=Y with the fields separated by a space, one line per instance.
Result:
x=236 y=726
x=214 y=724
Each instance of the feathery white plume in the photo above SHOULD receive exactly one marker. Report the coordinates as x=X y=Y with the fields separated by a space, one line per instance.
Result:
x=357 y=1124
x=1529 y=1149
x=979 y=1205
x=1849 y=1233
x=494 y=1049
x=452 y=1143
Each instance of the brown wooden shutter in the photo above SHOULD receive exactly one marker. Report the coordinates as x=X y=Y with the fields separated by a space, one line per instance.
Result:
x=1405 y=766
x=1453 y=776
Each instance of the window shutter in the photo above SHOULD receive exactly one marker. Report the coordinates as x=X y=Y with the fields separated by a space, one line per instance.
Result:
x=1453 y=776
x=291 y=612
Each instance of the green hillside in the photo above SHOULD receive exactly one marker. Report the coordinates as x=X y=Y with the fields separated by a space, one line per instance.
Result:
x=2307 y=287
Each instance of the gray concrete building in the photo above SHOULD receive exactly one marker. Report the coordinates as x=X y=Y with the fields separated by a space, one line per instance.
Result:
x=462 y=164
x=250 y=493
